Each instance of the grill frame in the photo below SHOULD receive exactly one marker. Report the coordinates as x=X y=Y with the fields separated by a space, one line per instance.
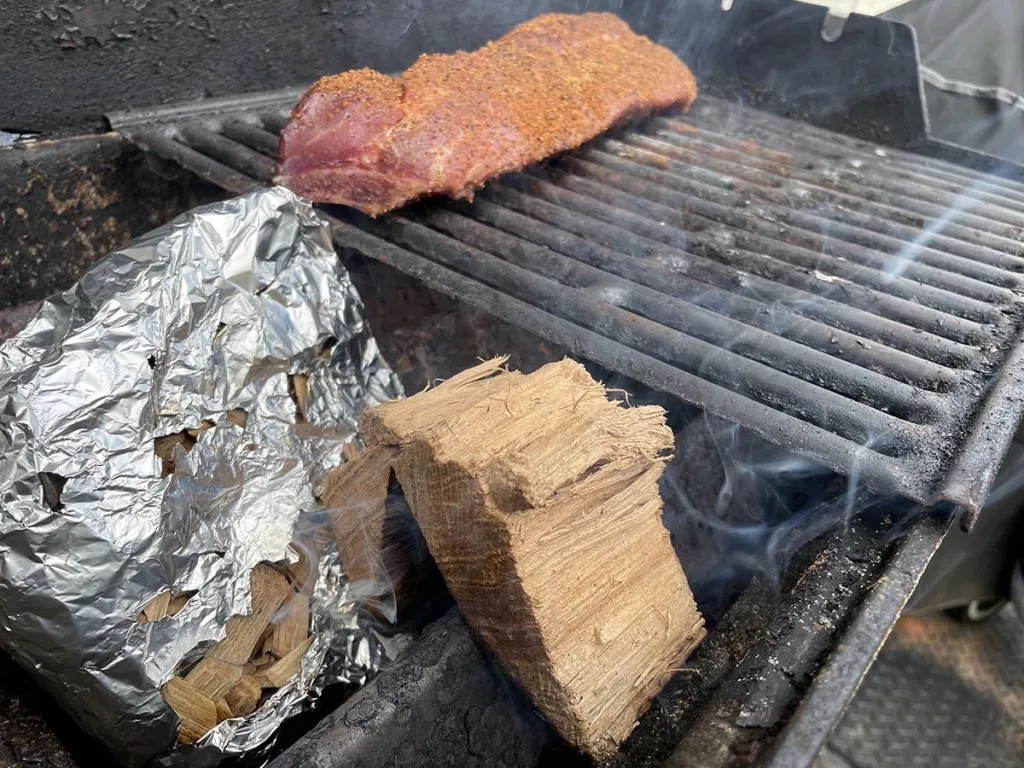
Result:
x=922 y=366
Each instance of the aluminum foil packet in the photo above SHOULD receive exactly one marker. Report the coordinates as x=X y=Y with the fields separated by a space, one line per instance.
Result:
x=185 y=327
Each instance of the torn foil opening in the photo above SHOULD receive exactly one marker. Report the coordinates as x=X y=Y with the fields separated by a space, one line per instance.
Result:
x=235 y=331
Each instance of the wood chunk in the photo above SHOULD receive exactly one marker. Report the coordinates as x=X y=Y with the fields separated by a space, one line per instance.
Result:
x=244 y=697
x=237 y=416
x=300 y=386
x=223 y=711
x=177 y=602
x=198 y=714
x=280 y=672
x=356 y=493
x=155 y=609
x=270 y=589
x=538 y=498
x=213 y=677
x=290 y=627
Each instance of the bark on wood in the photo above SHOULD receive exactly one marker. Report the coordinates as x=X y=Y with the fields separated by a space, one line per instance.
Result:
x=538 y=498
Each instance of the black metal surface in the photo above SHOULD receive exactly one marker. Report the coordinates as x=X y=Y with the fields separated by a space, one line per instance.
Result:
x=834 y=297
x=64 y=64
x=65 y=203
x=442 y=702
x=836 y=613
x=850 y=659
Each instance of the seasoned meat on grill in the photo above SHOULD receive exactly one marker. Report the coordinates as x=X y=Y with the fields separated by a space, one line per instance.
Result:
x=451 y=122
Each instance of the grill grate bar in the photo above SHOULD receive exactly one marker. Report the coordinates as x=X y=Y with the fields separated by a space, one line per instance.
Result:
x=516 y=219
x=786 y=356
x=162 y=143
x=958 y=318
x=825 y=446
x=902 y=218
x=816 y=144
x=582 y=217
x=792 y=395
x=253 y=136
x=835 y=237
x=717 y=113
x=908 y=204
x=750 y=280
x=276 y=120
x=230 y=153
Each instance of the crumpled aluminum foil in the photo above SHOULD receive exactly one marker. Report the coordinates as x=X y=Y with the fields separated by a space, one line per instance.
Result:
x=207 y=314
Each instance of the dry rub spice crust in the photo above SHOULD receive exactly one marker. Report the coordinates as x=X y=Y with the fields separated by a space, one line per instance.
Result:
x=450 y=122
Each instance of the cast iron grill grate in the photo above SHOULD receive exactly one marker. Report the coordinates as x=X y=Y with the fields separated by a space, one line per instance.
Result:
x=861 y=305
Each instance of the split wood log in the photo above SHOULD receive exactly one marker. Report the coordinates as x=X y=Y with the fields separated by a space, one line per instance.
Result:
x=538 y=498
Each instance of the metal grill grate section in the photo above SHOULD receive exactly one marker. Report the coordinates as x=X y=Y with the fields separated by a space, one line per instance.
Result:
x=859 y=304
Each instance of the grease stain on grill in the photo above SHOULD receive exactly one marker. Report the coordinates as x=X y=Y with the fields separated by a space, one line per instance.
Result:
x=861 y=306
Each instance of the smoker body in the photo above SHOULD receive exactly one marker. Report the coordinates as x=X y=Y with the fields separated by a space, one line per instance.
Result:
x=837 y=598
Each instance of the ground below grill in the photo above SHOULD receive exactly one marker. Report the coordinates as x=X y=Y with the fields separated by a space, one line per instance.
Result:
x=29 y=724
x=942 y=695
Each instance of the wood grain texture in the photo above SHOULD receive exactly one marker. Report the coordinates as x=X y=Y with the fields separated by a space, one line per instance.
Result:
x=198 y=714
x=538 y=498
x=263 y=649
